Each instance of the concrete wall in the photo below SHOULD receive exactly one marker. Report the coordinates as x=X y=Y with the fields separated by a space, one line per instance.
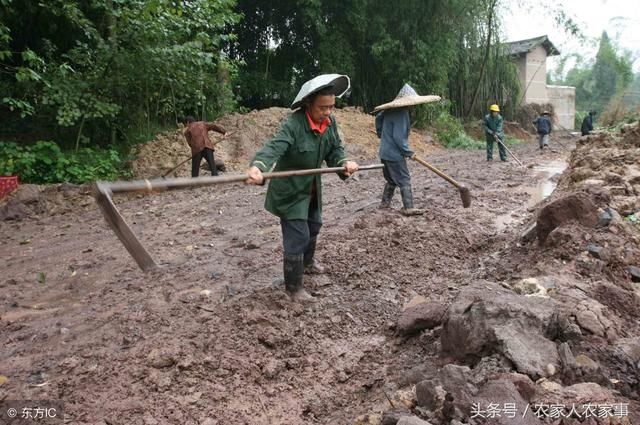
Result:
x=536 y=76
x=563 y=99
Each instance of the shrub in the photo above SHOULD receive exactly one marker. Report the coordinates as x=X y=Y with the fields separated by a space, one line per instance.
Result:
x=45 y=162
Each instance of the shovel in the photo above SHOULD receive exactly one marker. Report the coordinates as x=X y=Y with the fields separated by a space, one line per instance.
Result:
x=507 y=149
x=465 y=194
x=103 y=191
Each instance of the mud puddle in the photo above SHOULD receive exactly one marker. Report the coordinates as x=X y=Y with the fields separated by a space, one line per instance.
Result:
x=546 y=175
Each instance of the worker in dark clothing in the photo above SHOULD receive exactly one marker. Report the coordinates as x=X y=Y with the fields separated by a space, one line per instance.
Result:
x=543 y=128
x=587 y=123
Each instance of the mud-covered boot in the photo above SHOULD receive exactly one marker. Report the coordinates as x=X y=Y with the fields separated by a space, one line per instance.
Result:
x=387 y=195
x=311 y=265
x=407 y=202
x=293 y=279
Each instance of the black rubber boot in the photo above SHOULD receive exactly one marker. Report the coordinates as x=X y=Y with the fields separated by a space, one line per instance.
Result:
x=311 y=266
x=293 y=278
x=407 y=202
x=387 y=195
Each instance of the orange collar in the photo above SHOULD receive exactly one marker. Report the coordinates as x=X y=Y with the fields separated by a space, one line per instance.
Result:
x=318 y=128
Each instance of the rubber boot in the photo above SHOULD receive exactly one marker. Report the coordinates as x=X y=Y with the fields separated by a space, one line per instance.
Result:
x=311 y=265
x=387 y=195
x=293 y=278
x=407 y=202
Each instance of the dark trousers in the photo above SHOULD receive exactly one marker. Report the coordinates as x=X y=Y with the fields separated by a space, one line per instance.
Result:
x=196 y=159
x=396 y=173
x=490 y=140
x=299 y=236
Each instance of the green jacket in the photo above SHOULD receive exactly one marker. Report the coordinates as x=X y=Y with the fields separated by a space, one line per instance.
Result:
x=493 y=124
x=297 y=147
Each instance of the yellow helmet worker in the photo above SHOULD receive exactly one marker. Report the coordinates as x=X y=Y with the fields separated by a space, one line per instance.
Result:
x=492 y=124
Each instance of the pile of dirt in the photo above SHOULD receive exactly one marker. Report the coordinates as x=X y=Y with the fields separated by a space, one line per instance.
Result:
x=528 y=112
x=247 y=133
x=31 y=200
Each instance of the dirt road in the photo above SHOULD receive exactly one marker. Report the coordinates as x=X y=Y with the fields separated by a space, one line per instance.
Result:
x=209 y=339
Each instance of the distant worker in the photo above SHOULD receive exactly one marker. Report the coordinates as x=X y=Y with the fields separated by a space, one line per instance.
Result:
x=393 y=125
x=543 y=127
x=492 y=125
x=197 y=135
x=587 y=123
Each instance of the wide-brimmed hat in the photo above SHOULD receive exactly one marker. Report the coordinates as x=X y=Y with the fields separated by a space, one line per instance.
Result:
x=407 y=97
x=338 y=83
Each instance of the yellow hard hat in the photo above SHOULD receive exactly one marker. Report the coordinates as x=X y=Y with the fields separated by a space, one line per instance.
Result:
x=494 y=107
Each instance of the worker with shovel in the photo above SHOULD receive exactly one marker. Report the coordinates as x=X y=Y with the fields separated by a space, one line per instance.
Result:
x=543 y=128
x=197 y=135
x=308 y=138
x=393 y=125
x=492 y=124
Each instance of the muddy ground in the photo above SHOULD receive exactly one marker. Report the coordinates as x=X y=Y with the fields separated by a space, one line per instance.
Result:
x=211 y=339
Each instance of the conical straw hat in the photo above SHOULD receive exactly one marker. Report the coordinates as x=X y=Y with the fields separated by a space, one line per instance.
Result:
x=407 y=97
x=339 y=83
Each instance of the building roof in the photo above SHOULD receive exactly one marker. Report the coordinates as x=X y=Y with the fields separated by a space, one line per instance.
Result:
x=525 y=46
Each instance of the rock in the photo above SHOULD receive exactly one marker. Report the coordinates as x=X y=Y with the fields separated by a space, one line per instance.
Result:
x=576 y=207
x=529 y=233
x=392 y=417
x=502 y=392
x=567 y=359
x=418 y=299
x=429 y=394
x=578 y=394
x=13 y=210
x=526 y=387
x=598 y=252
x=160 y=359
x=412 y=420
x=531 y=354
x=609 y=216
x=635 y=273
x=586 y=363
x=209 y=421
x=628 y=350
x=425 y=315
x=272 y=368
x=27 y=194
x=530 y=287
x=592 y=316
x=486 y=318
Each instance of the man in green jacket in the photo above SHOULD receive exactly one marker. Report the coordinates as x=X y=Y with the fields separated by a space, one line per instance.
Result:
x=492 y=124
x=308 y=138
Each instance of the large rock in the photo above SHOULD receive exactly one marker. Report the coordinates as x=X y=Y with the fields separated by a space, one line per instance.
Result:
x=577 y=207
x=425 y=315
x=486 y=318
x=502 y=393
x=578 y=394
x=13 y=210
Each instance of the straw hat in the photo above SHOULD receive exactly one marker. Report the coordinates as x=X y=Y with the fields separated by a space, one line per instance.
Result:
x=339 y=84
x=407 y=97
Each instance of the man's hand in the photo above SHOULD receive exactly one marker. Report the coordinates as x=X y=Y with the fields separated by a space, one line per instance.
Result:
x=254 y=176
x=350 y=167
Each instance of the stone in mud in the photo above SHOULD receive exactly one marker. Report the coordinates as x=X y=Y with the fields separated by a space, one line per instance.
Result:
x=503 y=392
x=429 y=394
x=487 y=319
x=412 y=420
x=576 y=207
x=608 y=216
x=425 y=315
x=392 y=417
x=272 y=368
x=635 y=273
x=160 y=359
x=592 y=316
x=598 y=252
x=13 y=210
x=531 y=353
x=578 y=394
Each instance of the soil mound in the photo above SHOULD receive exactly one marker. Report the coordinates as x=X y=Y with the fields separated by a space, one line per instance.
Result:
x=247 y=133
